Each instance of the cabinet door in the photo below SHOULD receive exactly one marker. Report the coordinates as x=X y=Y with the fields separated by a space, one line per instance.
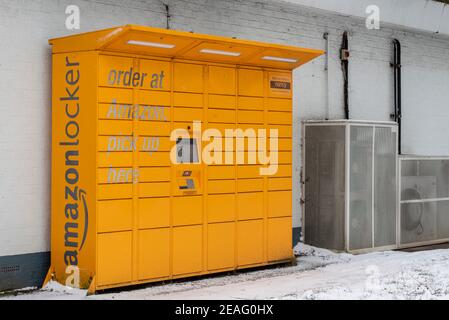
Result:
x=250 y=242
x=279 y=239
x=188 y=77
x=221 y=245
x=154 y=253
x=114 y=258
x=187 y=210
x=250 y=205
x=187 y=250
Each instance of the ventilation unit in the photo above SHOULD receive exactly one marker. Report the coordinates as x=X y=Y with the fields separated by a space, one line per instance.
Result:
x=424 y=200
x=350 y=185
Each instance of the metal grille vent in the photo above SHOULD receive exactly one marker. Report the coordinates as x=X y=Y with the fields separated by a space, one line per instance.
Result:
x=8 y=269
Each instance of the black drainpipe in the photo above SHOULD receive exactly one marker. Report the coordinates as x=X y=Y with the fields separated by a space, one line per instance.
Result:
x=344 y=57
x=396 y=65
x=167 y=15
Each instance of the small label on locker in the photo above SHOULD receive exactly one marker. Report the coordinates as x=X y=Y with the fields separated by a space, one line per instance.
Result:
x=394 y=129
x=280 y=85
x=187 y=173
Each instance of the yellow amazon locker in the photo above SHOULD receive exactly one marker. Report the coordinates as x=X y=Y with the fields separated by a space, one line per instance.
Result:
x=171 y=155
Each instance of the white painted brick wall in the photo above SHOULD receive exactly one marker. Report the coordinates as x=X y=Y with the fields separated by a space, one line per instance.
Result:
x=26 y=26
x=25 y=105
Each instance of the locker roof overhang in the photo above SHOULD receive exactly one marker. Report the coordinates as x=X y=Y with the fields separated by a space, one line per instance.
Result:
x=157 y=42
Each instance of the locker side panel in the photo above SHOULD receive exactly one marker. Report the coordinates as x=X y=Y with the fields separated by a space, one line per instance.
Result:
x=73 y=189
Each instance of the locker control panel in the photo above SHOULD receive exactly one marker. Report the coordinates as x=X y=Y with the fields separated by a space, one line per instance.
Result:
x=188 y=180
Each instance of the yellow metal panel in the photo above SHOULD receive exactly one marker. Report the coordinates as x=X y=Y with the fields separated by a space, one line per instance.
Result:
x=221 y=172
x=284 y=170
x=115 y=127
x=250 y=103
x=244 y=52
x=279 y=118
x=154 y=98
x=276 y=104
x=115 y=215
x=115 y=159
x=115 y=111
x=155 y=159
x=156 y=189
x=187 y=249
x=221 y=186
x=154 y=128
x=250 y=145
x=250 y=249
x=155 y=75
x=153 y=144
x=154 y=253
x=279 y=241
x=220 y=246
x=284 y=144
x=250 y=205
x=250 y=82
x=250 y=117
x=250 y=157
x=224 y=116
x=221 y=102
x=225 y=129
x=285 y=157
x=115 y=191
x=252 y=126
x=221 y=208
x=116 y=175
x=81 y=42
x=268 y=146
x=282 y=131
x=115 y=143
x=280 y=204
x=157 y=174
x=153 y=113
x=114 y=258
x=188 y=77
x=188 y=114
x=188 y=99
x=115 y=95
x=279 y=183
x=136 y=33
x=277 y=52
x=185 y=45
x=221 y=80
x=249 y=185
x=154 y=213
x=73 y=178
x=116 y=71
x=187 y=210
x=244 y=171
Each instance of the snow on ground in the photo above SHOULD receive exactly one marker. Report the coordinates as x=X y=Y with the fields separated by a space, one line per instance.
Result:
x=319 y=274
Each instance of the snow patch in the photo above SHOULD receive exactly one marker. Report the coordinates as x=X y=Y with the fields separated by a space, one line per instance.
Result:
x=303 y=250
x=56 y=287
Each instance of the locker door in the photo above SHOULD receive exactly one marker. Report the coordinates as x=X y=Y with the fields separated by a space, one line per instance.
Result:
x=187 y=249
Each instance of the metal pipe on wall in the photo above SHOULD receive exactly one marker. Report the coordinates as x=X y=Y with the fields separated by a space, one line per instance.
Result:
x=326 y=69
x=344 y=57
x=396 y=65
